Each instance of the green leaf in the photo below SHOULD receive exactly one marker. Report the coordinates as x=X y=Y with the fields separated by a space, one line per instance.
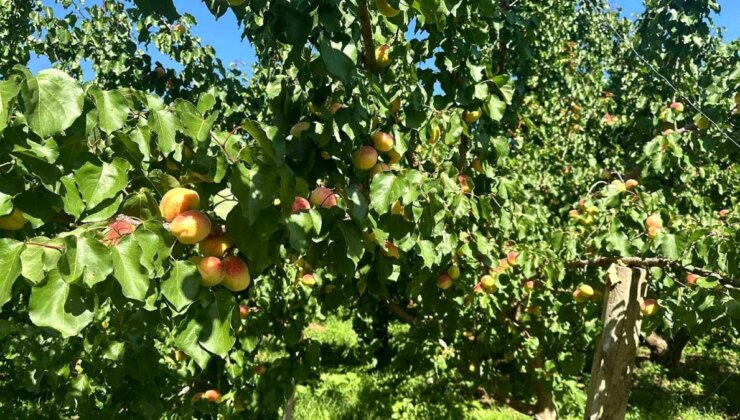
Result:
x=112 y=109
x=73 y=203
x=8 y=91
x=255 y=188
x=337 y=63
x=52 y=102
x=127 y=269
x=352 y=241
x=384 y=190
x=32 y=262
x=166 y=125
x=427 y=252
x=85 y=258
x=97 y=183
x=104 y=211
x=669 y=247
x=299 y=227
x=254 y=130
x=217 y=335
x=181 y=285
x=494 y=107
x=61 y=306
x=10 y=267
x=194 y=124
x=187 y=341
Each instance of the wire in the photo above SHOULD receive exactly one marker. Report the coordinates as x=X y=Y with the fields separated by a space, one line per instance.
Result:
x=627 y=42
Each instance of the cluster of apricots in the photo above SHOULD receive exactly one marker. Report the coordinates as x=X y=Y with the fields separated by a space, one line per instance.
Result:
x=487 y=282
x=179 y=207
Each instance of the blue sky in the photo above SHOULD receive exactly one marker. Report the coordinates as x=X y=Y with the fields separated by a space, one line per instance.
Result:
x=224 y=35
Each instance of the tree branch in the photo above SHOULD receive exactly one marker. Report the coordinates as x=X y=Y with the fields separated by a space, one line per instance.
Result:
x=367 y=35
x=653 y=262
x=59 y=248
x=400 y=313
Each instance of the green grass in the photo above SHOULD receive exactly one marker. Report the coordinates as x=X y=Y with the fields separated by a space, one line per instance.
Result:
x=705 y=387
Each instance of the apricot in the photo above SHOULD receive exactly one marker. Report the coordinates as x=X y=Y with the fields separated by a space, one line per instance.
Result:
x=378 y=168
x=391 y=250
x=236 y=274
x=308 y=279
x=397 y=209
x=300 y=204
x=211 y=271
x=649 y=307
x=383 y=55
x=177 y=201
x=654 y=221
x=466 y=183
x=117 y=229
x=395 y=105
x=444 y=281
x=434 y=135
x=471 y=116
x=631 y=184
x=191 y=227
x=677 y=106
x=382 y=141
x=393 y=156
x=334 y=108
x=13 y=221
x=386 y=9
x=476 y=165
x=243 y=311
x=364 y=158
x=511 y=258
x=488 y=283
x=323 y=197
x=691 y=279
x=454 y=272
x=213 y=395
x=653 y=232
x=702 y=123
x=215 y=245
x=299 y=128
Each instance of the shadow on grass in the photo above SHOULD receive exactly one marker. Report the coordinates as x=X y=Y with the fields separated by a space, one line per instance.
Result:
x=705 y=385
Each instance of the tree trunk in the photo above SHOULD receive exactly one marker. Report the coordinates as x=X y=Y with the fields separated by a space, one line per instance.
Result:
x=614 y=358
x=289 y=405
x=668 y=351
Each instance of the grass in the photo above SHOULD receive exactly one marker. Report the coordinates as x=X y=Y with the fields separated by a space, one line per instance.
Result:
x=705 y=387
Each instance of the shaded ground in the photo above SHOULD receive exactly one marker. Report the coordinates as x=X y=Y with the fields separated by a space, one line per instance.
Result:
x=705 y=386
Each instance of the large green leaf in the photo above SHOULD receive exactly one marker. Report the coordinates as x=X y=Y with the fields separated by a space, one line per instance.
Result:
x=8 y=91
x=112 y=109
x=384 y=190
x=187 y=341
x=217 y=335
x=194 y=124
x=127 y=269
x=181 y=285
x=86 y=259
x=52 y=102
x=166 y=125
x=337 y=63
x=99 y=183
x=10 y=266
x=61 y=306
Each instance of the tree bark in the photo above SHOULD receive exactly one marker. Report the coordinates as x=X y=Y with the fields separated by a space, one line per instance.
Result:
x=667 y=351
x=289 y=405
x=616 y=351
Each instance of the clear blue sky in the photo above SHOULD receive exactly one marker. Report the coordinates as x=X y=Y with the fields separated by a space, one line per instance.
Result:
x=224 y=35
